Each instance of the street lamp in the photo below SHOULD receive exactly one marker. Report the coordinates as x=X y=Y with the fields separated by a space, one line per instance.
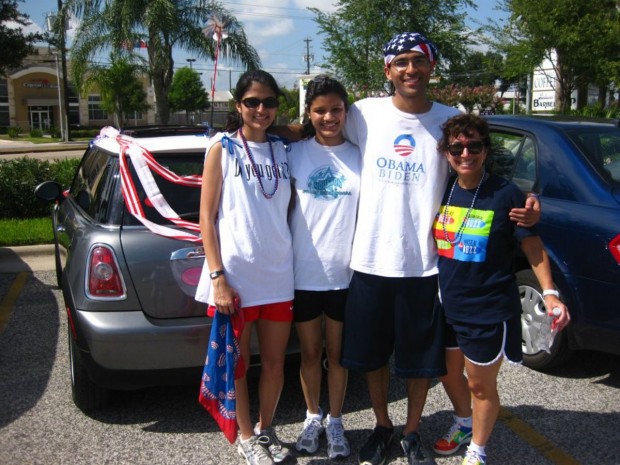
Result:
x=191 y=61
x=57 y=24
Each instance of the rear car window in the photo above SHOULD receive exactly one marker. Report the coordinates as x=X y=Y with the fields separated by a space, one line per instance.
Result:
x=601 y=145
x=184 y=200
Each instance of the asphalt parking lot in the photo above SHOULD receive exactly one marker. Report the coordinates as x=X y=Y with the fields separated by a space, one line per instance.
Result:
x=565 y=417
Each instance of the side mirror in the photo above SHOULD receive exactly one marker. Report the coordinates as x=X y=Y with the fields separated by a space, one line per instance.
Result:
x=50 y=191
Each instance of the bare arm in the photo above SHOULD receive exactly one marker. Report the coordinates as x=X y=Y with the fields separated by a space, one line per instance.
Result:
x=210 y=194
x=539 y=261
x=529 y=215
x=291 y=132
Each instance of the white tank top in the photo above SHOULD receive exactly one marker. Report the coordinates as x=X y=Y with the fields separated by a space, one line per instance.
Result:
x=255 y=241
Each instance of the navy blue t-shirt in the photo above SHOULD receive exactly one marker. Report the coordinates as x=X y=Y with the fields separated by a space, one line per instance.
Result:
x=476 y=275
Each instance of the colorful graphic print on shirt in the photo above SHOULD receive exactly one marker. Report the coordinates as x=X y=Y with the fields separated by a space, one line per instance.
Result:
x=472 y=244
x=326 y=183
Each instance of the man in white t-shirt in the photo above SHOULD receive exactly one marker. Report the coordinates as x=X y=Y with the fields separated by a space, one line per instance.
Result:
x=392 y=303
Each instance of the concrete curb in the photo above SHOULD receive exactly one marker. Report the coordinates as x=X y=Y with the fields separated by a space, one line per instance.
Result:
x=27 y=258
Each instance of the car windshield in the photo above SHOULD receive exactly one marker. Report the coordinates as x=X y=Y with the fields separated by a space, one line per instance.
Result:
x=601 y=144
x=184 y=200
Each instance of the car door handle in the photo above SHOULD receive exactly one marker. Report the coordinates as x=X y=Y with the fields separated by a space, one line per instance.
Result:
x=188 y=253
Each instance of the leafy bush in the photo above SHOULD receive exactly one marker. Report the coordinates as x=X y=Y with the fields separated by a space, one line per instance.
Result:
x=14 y=132
x=19 y=177
x=55 y=132
x=36 y=133
x=596 y=110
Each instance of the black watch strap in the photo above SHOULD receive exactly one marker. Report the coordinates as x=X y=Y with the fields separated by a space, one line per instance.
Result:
x=215 y=274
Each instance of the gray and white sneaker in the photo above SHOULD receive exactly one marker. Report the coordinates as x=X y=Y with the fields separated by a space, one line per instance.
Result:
x=337 y=444
x=253 y=452
x=308 y=440
x=268 y=439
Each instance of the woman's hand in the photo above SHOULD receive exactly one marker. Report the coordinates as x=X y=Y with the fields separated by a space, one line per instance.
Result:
x=560 y=322
x=529 y=215
x=226 y=298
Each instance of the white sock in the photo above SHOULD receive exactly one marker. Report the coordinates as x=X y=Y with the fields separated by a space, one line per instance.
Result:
x=334 y=420
x=315 y=416
x=464 y=421
x=476 y=448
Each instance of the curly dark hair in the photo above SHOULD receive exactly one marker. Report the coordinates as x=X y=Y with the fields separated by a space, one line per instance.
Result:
x=466 y=124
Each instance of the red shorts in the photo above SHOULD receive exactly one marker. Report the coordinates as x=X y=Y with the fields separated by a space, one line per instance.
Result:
x=279 y=311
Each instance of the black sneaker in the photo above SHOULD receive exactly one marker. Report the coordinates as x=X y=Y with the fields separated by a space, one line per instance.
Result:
x=414 y=450
x=374 y=451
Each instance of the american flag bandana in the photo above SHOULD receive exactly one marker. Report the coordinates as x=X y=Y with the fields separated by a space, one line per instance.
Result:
x=409 y=42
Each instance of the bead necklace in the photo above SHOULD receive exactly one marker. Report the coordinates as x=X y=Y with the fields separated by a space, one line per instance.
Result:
x=255 y=169
x=459 y=233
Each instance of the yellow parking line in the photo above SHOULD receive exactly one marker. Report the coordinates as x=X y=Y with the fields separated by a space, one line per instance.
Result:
x=535 y=439
x=8 y=301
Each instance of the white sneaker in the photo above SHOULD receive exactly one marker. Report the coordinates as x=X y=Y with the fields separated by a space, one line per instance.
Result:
x=337 y=443
x=268 y=439
x=308 y=440
x=253 y=452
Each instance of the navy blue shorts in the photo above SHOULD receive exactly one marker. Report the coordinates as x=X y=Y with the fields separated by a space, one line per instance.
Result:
x=309 y=305
x=486 y=344
x=394 y=315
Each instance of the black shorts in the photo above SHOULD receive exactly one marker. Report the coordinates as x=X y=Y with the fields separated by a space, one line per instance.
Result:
x=486 y=344
x=309 y=305
x=394 y=315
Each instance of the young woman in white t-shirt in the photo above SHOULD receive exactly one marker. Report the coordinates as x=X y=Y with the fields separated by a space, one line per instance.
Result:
x=325 y=176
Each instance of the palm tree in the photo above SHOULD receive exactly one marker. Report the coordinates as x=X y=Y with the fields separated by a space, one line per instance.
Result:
x=120 y=85
x=162 y=25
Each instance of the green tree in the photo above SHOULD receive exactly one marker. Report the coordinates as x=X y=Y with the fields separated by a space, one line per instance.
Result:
x=14 y=44
x=584 y=35
x=289 y=104
x=163 y=25
x=187 y=92
x=356 y=32
x=120 y=85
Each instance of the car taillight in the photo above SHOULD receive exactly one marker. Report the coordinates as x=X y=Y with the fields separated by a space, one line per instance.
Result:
x=104 y=280
x=614 y=248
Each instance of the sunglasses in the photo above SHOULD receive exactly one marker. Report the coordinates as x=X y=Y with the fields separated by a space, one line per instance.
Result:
x=474 y=147
x=253 y=102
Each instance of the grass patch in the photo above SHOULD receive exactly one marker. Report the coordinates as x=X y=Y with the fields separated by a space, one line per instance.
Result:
x=34 y=231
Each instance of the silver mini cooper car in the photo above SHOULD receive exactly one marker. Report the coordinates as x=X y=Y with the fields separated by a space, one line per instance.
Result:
x=129 y=293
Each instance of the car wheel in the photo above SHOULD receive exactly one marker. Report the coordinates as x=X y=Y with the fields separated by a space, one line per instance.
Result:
x=532 y=314
x=86 y=395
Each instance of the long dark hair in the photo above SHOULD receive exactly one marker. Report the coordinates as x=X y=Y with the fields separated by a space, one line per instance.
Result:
x=321 y=85
x=233 y=119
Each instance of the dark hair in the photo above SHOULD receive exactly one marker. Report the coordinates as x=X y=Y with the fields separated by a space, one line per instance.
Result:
x=321 y=85
x=233 y=119
x=465 y=124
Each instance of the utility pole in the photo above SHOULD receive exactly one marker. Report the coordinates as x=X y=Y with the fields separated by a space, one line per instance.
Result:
x=307 y=56
x=63 y=60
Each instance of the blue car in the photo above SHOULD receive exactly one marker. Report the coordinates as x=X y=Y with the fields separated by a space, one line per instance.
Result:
x=574 y=166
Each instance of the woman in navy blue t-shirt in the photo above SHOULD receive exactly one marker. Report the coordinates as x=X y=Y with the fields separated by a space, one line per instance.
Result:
x=476 y=242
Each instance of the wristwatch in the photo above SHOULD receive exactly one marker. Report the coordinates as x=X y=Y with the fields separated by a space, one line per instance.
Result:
x=547 y=292
x=215 y=274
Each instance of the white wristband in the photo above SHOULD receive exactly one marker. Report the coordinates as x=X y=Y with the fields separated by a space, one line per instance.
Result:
x=547 y=292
